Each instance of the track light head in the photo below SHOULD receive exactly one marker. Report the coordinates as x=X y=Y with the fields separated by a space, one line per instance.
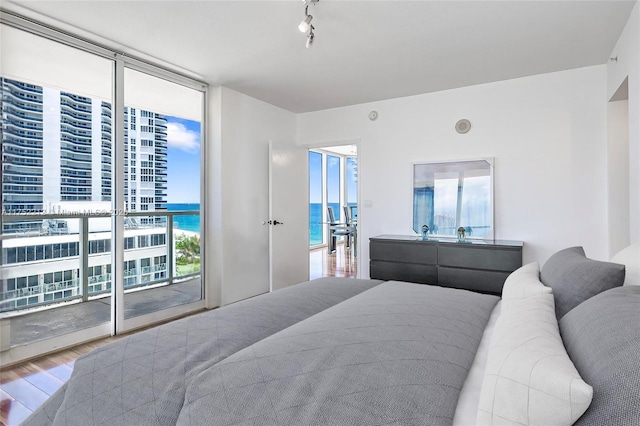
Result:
x=310 y=39
x=305 y=25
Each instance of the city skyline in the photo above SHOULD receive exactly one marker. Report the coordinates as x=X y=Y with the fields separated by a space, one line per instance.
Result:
x=57 y=147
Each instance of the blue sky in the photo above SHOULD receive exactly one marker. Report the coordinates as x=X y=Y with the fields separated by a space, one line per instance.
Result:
x=315 y=177
x=183 y=160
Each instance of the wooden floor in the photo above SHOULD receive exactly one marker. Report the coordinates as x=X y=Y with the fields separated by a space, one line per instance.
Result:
x=24 y=387
x=342 y=263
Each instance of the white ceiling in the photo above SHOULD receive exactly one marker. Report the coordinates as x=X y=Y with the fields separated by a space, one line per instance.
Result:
x=364 y=50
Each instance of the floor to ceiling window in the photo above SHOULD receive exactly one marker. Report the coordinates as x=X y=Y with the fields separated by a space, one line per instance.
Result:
x=56 y=158
x=351 y=175
x=333 y=184
x=101 y=198
x=316 y=212
x=161 y=193
x=334 y=187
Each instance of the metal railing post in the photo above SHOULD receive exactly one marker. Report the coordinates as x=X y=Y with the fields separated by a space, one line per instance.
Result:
x=170 y=248
x=84 y=258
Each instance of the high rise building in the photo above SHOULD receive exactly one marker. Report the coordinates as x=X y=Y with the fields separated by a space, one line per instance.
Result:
x=22 y=150
x=57 y=147
x=145 y=161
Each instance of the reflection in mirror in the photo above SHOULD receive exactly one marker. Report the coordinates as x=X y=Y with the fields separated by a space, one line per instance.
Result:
x=450 y=195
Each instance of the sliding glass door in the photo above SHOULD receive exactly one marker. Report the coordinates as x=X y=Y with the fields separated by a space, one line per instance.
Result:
x=162 y=196
x=101 y=192
x=57 y=136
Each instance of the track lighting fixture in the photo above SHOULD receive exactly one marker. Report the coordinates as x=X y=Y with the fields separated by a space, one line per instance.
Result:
x=310 y=38
x=306 y=26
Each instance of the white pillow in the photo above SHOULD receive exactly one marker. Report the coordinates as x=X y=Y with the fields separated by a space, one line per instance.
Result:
x=524 y=282
x=630 y=258
x=529 y=378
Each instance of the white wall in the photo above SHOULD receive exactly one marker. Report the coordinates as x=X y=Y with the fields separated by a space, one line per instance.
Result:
x=238 y=171
x=627 y=50
x=546 y=132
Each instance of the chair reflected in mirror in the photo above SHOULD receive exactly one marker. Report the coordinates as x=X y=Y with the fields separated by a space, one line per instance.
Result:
x=338 y=229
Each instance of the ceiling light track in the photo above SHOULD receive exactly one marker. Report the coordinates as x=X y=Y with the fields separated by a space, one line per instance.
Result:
x=305 y=26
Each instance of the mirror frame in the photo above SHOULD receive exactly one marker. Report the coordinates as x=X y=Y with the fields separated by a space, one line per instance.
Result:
x=490 y=161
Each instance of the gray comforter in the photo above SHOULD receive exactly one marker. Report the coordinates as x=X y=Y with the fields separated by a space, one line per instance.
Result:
x=144 y=376
x=395 y=354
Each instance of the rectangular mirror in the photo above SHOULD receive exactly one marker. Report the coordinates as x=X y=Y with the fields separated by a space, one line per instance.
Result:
x=454 y=194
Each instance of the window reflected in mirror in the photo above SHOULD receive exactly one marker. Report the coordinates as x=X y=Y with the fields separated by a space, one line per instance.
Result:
x=450 y=195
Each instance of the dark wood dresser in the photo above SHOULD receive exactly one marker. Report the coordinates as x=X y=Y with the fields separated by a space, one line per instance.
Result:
x=479 y=265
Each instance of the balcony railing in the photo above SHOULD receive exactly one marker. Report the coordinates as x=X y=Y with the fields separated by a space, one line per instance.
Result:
x=37 y=290
x=82 y=285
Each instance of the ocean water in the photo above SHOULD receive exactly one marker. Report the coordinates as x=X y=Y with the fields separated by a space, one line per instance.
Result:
x=185 y=223
x=317 y=217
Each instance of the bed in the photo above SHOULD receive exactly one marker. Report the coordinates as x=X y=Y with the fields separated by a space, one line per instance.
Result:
x=368 y=352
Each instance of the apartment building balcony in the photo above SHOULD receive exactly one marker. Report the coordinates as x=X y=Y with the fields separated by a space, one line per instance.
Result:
x=32 y=143
x=78 y=112
x=71 y=148
x=27 y=134
x=30 y=191
x=82 y=170
x=38 y=325
x=75 y=157
x=23 y=123
x=24 y=106
x=10 y=110
x=18 y=85
x=68 y=130
x=21 y=152
x=22 y=165
x=18 y=97
x=48 y=292
x=76 y=124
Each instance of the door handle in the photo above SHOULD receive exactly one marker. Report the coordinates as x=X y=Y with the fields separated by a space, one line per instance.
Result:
x=272 y=222
x=275 y=222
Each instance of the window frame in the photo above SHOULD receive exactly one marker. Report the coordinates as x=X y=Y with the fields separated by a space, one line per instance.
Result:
x=120 y=62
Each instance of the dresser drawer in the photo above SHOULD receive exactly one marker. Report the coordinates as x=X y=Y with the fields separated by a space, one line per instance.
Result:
x=472 y=279
x=491 y=258
x=395 y=271
x=404 y=252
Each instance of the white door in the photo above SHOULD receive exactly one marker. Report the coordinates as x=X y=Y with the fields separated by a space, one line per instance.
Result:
x=288 y=215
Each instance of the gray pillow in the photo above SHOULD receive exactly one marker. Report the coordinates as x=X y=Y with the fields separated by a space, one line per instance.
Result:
x=575 y=278
x=602 y=338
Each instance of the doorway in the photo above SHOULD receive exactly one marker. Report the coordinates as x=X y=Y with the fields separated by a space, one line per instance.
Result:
x=333 y=211
x=619 y=166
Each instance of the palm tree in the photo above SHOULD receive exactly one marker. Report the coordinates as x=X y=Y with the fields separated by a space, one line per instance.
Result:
x=187 y=248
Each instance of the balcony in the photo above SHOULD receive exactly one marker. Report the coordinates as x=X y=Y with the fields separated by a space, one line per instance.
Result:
x=44 y=297
x=21 y=97
x=20 y=86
